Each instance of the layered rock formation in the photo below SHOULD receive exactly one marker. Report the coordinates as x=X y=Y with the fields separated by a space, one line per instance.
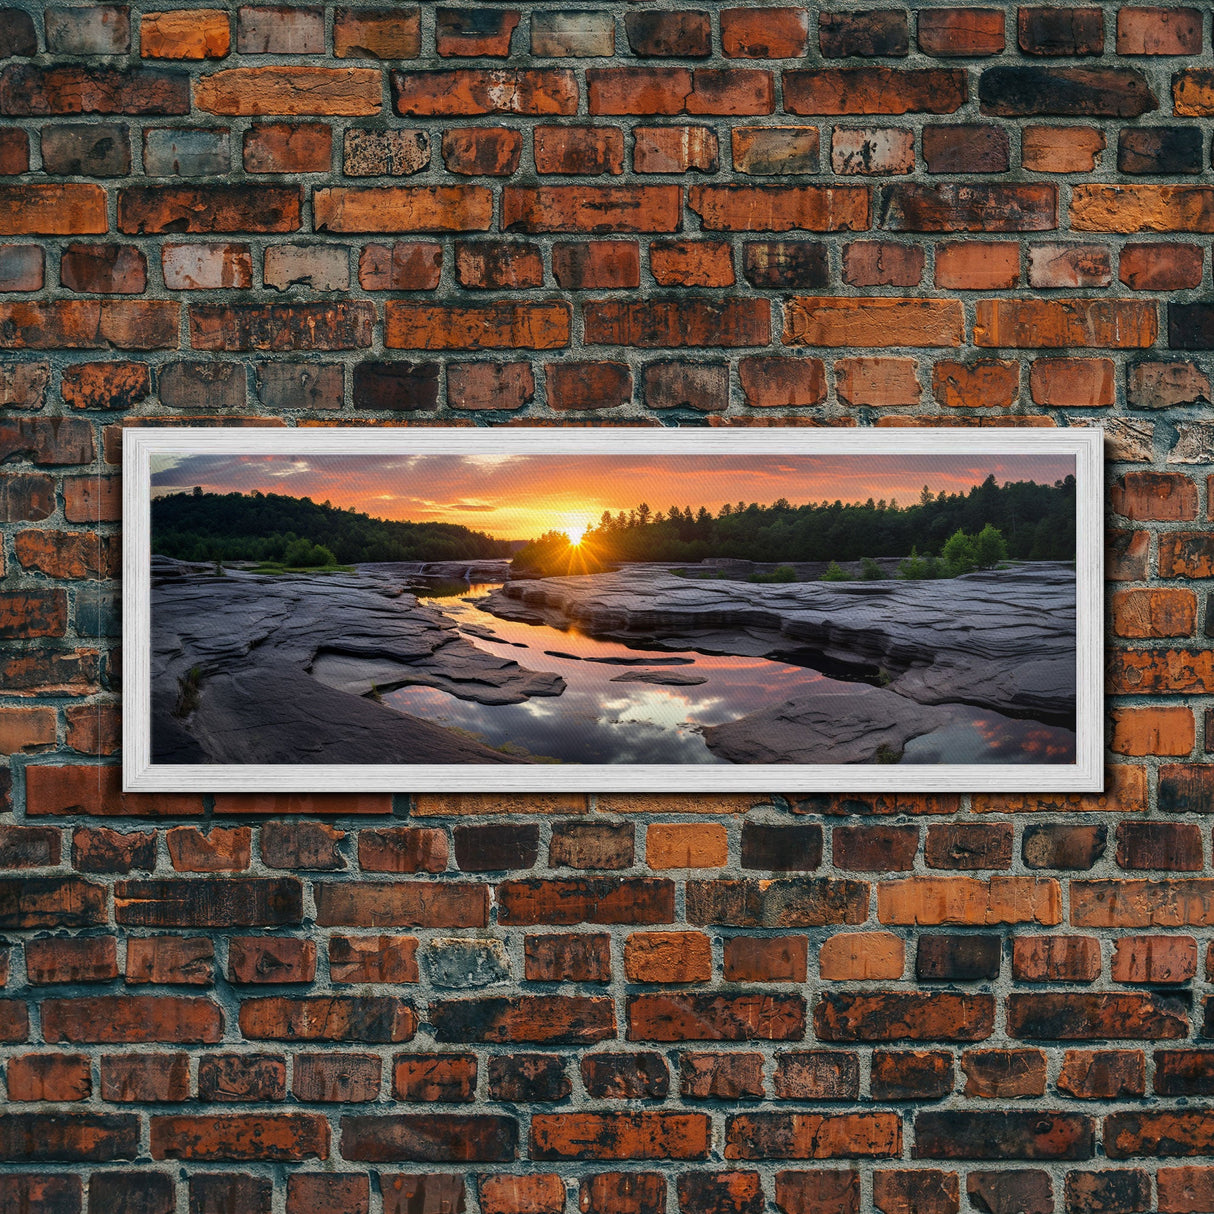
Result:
x=254 y=669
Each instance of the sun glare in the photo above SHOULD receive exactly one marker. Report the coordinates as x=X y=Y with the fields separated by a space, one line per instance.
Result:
x=575 y=531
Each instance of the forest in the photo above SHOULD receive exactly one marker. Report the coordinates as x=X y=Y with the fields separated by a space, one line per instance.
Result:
x=1037 y=523
x=298 y=532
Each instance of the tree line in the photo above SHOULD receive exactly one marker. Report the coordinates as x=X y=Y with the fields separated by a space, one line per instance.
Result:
x=1036 y=522
x=296 y=531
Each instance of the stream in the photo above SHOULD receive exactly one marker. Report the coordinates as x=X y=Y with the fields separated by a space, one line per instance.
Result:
x=600 y=720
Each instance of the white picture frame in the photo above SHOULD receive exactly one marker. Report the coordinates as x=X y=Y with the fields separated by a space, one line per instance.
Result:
x=141 y=774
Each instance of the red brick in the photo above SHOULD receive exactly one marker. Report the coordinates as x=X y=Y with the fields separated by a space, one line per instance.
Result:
x=103 y=269
x=468 y=92
x=288 y=147
x=1036 y=323
x=985 y=384
x=1072 y=382
x=868 y=151
x=485 y=33
x=26 y=729
x=961 y=32
x=418 y=903
x=573 y=957
x=674 y=149
x=34 y=1077
x=655 y=323
x=1102 y=1074
x=873 y=321
x=679 y=90
x=500 y=265
x=71 y=960
x=243 y=1137
x=691 y=263
x=782 y=382
x=89 y=324
x=1159 y=31
x=376 y=33
x=581 y=208
x=874 y=263
x=434 y=1077
x=703 y=1016
x=880 y=382
x=876 y=1135
x=290 y=90
x=496 y=326
x=477 y=385
x=579 y=150
x=270 y=959
x=321 y=1193
x=631 y=1135
x=336 y=1078
x=1144 y=614
x=14 y=152
x=1161 y=267
x=169 y=960
x=482 y=151
x=1055 y=958
x=1146 y=731
x=132 y=1018
x=766 y=33
x=921 y=1190
x=1168 y=497
x=543 y=1193
x=402 y=209
x=29 y=91
x=199 y=33
x=1069 y=265
x=874 y=90
x=810 y=208
x=668 y=957
x=978 y=266
x=582 y=385
x=372 y=1018
x=376 y=959
x=222 y=849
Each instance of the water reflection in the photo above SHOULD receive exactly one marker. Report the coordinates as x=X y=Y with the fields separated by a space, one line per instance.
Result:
x=599 y=721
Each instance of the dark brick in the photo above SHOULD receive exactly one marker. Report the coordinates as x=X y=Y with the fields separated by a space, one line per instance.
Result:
x=957 y=958
x=785 y=263
x=911 y=1074
x=1055 y=846
x=1096 y=92
x=685 y=34
x=966 y=1134
x=398 y=386
x=229 y=1193
x=1161 y=150
x=528 y=1077
x=867 y=34
x=639 y=1076
x=781 y=848
x=496 y=848
x=1061 y=31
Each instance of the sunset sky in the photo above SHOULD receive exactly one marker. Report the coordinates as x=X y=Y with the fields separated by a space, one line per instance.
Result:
x=521 y=496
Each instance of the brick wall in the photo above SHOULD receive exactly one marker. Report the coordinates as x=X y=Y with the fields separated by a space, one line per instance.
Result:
x=616 y=1004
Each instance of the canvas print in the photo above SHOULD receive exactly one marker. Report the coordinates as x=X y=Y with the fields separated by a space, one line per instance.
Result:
x=761 y=605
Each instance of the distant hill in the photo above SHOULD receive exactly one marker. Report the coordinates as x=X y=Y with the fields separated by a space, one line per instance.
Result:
x=263 y=527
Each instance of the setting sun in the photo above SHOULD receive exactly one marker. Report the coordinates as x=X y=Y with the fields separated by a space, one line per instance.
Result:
x=575 y=529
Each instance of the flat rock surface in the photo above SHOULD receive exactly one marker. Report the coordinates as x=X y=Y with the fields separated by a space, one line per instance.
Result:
x=663 y=678
x=841 y=723
x=285 y=665
x=1003 y=640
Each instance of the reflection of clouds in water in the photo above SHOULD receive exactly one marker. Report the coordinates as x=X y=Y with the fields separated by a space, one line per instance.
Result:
x=974 y=737
x=597 y=721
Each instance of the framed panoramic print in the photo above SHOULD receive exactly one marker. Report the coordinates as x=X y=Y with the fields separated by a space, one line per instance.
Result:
x=621 y=609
